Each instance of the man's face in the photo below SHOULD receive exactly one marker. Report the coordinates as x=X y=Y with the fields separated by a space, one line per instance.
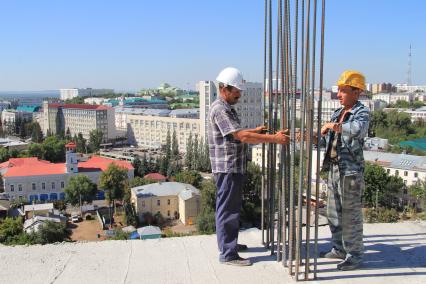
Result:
x=347 y=96
x=232 y=96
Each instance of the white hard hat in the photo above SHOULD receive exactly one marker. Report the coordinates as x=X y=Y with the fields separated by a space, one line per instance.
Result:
x=232 y=77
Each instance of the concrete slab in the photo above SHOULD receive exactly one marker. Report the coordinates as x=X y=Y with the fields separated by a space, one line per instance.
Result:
x=395 y=253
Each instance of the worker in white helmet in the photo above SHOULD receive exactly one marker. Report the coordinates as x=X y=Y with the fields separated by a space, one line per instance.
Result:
x=228 y=155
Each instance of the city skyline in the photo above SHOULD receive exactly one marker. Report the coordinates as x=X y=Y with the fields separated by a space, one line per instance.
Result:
x=132 y=45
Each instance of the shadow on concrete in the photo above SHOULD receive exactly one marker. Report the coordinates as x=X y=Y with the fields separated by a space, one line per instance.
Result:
x=387 y=257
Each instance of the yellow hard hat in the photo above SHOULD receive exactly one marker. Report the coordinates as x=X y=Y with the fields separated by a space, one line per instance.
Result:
x=353 y=79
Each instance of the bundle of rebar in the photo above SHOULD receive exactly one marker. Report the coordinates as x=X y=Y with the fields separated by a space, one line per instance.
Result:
x=287 y=169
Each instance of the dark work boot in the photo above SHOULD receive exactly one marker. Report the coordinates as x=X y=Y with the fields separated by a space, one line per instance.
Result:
x=349 y=263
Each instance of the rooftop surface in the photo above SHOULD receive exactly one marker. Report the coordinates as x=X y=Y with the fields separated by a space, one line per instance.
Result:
x=395 y=253
x=164 y=189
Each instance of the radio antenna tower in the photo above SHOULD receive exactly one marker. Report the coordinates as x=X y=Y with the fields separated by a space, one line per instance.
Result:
x=409 y=68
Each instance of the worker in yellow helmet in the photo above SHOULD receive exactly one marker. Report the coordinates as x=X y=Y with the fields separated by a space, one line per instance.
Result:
x=344 y=137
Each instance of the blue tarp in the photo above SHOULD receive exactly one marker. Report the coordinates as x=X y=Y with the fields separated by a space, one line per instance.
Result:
x=134 y=235
x=419 y=144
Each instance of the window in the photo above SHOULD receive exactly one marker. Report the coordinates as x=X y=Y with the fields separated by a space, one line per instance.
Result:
x=405 y=181
x=168 y=213
x=143 y=203
x=168 y=201
x=43 y=185
x=388 y=171
x=12 y=187
x=158 y=202
x=20 y=187
x=416 y=175
x=53 y=185
x=405 y=173
x=33 y=185
x=396 y=173
x=62 y=184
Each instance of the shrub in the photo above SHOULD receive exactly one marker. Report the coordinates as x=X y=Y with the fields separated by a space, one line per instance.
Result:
x=206 y=222
x=381 y=215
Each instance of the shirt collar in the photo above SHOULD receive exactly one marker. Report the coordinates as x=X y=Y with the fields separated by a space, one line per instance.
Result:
x=225 y=103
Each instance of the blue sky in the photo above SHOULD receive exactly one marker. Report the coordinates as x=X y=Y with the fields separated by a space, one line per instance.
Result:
x=128 y=45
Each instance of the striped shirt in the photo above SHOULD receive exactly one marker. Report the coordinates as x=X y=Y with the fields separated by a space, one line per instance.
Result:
x=227 y=155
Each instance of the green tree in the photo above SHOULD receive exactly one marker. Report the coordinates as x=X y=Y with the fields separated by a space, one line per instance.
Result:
x=418 y=191
x=36 y=133
x=136 y=165
x=138 y=181
x=175 y=146
x=168 y=146
x=53 y=149
x=81 y=143
x=79 y=189
x=380 y=187
x=195 y=154
x=68 y=134
x=9 y=229
x=190 y=177
x=206 y=218
x=52 y=232
x=22 y=130
x=189 y=150
x=4 y=155
x=36 y=150
x=113 y=180
x=95 y=140
x=162 y=165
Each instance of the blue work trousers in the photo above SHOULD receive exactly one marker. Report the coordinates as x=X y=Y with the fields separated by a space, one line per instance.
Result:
x=228 y=206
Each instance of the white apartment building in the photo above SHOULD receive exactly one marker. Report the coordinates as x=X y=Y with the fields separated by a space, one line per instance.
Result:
x=415 y=114
x=10 y=116
x=94 y=100
x=391 y=98
x=66 y=94
x=249 y=106
x=149 y=128
x=407 y=88
x=79 y=119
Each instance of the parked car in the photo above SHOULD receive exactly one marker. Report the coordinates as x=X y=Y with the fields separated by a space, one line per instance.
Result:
x=75 y=218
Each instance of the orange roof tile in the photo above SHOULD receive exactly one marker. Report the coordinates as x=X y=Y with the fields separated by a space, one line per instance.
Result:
x=34 y=167
x=19 y=167
x=97 y=163
x=155 y=176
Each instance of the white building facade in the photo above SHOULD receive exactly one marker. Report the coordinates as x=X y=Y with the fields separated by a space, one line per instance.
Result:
x=66 y=94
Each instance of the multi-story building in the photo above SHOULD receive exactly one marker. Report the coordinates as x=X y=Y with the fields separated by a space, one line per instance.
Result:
x=10 y=117
x=173 y=200
x=391 y=98
x=249 y=107
x=66 y=94
x=415 y=114
x=94 y=100
x=79 y=118
x=382 y=88
x=149 y=128
x=410 y=88
x=35 y=179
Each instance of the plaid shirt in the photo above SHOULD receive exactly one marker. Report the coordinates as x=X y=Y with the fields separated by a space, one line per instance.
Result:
x=227 y=155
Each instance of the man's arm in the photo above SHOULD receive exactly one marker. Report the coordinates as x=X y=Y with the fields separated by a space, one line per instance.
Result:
x=249 y=137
